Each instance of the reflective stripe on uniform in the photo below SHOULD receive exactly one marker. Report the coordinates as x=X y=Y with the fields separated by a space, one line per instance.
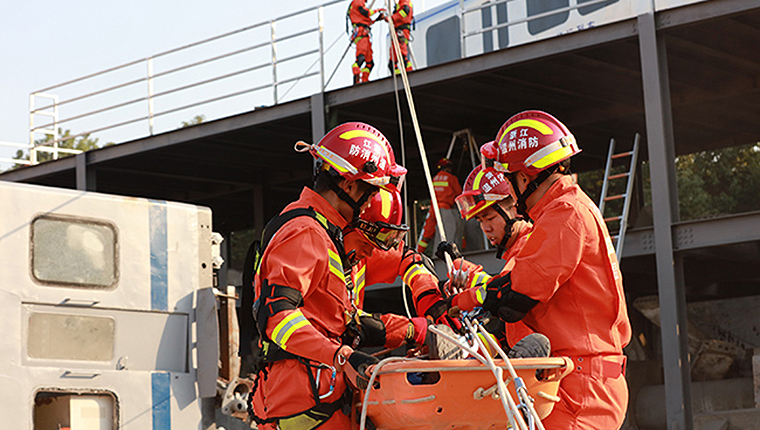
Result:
x=441 y=183
x=479 y=278
x=336 y=267
x=413 y=272
x=480 y=294
x=285 y=328
x=360 y=280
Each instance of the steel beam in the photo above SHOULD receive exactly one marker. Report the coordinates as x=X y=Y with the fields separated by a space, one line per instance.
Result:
x=85 y=175
x=317 y=116
x=675 y=354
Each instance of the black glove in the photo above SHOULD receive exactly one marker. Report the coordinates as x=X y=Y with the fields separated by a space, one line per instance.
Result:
x=439 y=312
x=447 y=248
x=369 y=332
x=358 y=371
x=509 y=305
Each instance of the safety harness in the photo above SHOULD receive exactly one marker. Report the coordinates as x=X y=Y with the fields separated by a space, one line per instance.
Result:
x=284 y=298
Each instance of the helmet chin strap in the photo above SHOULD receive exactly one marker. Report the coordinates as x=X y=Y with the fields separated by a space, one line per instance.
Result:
x=522 y=197
x=356 y=205
x=502 y=246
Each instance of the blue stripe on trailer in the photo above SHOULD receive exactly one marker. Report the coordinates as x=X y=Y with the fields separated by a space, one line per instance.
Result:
x=159 y=285
x=160 y=387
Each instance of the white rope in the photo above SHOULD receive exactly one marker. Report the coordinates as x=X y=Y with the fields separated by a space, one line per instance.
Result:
x=423 y=155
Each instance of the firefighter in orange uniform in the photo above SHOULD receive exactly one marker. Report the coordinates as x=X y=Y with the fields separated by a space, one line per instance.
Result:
x=375 y=247
x=446 y=187
x=303 y=302
x=402 y=22
x=381 y=226
x=361 y=21
x=487 y=197
x=566 y=282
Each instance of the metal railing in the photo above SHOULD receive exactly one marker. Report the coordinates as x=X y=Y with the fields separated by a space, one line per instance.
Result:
x=292 y=39
x=137 y=94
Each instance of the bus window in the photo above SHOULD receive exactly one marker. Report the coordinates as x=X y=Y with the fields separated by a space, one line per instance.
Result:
x=72 y=252
x=585 y=10
x=68 y=410
x=536 y=7
x=442 y=42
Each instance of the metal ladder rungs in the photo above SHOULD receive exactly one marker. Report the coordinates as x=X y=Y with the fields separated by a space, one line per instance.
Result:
x=617 y=197
x=621 y=155
x=619 y=175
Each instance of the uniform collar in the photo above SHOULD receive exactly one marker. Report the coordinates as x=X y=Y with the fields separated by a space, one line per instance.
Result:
x=555 y=190
x=312 y=199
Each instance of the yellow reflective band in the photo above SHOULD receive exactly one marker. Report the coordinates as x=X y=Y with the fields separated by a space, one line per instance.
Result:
x=422 y=243
x=385 y=198
x=402 y=13
x=532 y=123
x=287 y=327
x=441 y=184
x=480 y=295
x=480 y=278
x=348 y=135
x=336 y=160
x=336 y=266
x=412 y=272
x=488 y=346
x=478 y=177
x=365 y=69
x=553 y=158
x=322 y=219
x=360 y=281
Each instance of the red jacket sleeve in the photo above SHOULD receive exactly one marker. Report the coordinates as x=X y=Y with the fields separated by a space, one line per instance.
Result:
x=298 y=258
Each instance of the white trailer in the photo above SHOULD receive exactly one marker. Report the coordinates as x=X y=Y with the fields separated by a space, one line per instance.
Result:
x=107 y=310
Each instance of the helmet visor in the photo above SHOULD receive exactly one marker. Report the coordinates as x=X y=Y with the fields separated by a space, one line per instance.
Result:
x=383 y=235
x=388 y=183
x=472 y=202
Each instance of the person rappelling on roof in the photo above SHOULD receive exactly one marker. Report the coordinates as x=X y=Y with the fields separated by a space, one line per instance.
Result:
x=402 y=17
x=361 y=20
x=447 y=187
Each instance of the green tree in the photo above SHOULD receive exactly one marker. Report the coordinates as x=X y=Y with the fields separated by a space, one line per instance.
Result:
x=197 y=119
x=82 y=143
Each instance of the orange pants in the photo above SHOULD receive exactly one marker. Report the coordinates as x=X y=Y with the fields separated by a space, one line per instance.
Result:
x=364 y=63
x=589 y=402
x=403 y=44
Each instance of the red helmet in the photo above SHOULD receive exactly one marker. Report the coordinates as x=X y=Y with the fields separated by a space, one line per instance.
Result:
x=358 y=151
x=382 y=221
x=483 y=188
x=532 y=141
x=442 y=163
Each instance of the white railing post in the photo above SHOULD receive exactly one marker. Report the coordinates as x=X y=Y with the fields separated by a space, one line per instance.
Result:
x=460 y=13
x=274 y=61
x=32 y=148
x=150 y=95
x=56 y=136
x=321 y=49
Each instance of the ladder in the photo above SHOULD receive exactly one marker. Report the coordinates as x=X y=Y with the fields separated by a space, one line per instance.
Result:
x=622 y=215
x=469 y=141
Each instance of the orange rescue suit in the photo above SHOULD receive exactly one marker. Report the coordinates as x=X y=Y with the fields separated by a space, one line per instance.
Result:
x=569 y=266
x=302 y=256
x=361 y=21
x=402 y=20
x=446 y=187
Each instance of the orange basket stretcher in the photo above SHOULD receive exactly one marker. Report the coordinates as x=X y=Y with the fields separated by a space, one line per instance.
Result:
x=456 y=394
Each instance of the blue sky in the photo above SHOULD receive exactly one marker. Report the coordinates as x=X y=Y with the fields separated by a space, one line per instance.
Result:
x=48 y=42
